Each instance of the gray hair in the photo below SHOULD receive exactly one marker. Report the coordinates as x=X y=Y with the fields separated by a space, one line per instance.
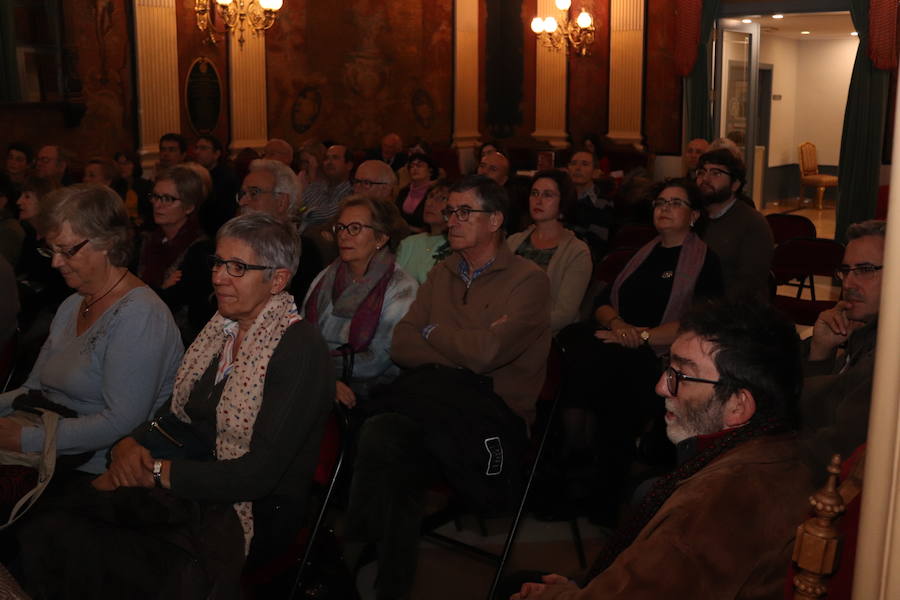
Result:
x=285 y=180
x=871 y=227
x=95 y=212
x=275 y=243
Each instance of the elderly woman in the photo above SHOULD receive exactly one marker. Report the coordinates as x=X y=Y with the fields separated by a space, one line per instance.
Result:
x=359 y=298
x=113 y=348
x=418 y=253
x=250 y=402
x=613 y=364
x=554 y=248
x=173 y=254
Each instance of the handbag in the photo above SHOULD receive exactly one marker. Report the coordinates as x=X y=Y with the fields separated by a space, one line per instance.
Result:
x=169 y=438
x=25 y=475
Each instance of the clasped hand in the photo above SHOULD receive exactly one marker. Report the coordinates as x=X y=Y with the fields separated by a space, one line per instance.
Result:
x=131 y=466
x=620 y=333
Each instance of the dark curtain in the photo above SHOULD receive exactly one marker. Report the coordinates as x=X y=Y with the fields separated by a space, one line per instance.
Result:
x=861 y=142
x=504 y=70
x=697 y=84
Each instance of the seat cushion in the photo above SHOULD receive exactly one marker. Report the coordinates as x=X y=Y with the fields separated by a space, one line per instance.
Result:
x=819 y=180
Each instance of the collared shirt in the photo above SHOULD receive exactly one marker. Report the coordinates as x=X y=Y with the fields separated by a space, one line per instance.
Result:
x=323 y=202
x=463 y=270
x=721 y=213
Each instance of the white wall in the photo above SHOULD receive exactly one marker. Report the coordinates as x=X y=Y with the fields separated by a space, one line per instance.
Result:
x=812 y=77
x=781 y=53
x=823 y=78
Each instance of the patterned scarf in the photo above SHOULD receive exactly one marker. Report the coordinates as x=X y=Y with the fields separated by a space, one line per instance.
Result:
x=708 y=448
x=690 y=262
x=243 y=393
x=360 y=301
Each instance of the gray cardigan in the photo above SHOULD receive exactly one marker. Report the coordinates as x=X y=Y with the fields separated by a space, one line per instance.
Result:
x=569 y=272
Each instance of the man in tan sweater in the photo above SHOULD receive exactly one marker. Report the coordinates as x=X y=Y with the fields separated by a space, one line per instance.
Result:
x=475 y=343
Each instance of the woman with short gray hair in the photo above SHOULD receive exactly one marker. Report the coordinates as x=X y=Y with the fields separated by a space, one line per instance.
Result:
x=113 y=347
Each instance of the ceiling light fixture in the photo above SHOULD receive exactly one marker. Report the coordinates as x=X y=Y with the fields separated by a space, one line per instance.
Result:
x=854 y=33
x=560 y=33
x=804 y=33
x=777 y=16
x=258 y=14
x=746 y=20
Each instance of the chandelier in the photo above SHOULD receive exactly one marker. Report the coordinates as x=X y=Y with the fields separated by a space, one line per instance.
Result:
x=235 y=14
x=575 y=36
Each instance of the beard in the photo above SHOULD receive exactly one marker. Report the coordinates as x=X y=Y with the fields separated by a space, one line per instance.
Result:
x=711 y=195
x=693 y=420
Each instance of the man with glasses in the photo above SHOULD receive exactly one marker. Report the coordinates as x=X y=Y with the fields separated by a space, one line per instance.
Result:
x=375 y=179
x=720 y=524
x=52 y=162
x=735 y=230
x=475 y=344
x=840 y=355
x=322 y=199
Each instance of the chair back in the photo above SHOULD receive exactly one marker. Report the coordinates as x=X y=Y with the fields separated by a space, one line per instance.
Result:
x=809 y=163
x=786 y=227
x=801 y=257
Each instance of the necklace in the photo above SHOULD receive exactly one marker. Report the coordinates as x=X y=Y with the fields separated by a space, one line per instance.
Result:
x=87 y=307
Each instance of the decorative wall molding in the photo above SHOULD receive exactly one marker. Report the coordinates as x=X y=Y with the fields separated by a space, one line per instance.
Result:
x=626 y=70
x=249 y=112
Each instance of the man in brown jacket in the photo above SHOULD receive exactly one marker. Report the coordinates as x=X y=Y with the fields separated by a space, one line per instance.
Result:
x=475 y=345
x=721 y=525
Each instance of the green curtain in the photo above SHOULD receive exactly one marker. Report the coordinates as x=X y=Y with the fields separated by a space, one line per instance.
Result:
x=863 y=134
x=697 y=84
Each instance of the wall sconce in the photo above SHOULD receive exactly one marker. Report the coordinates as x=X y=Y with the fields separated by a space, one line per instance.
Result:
x=575 y=36
x=258 y=14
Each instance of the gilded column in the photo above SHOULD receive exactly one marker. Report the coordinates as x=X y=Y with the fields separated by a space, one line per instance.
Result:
x=550 y=86
x=249 y=113
x=465 y=83
x=156 y=46
x=626 y=70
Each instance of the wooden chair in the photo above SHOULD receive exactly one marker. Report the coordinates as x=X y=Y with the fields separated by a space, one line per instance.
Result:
x=810 y=176
x=787 y=227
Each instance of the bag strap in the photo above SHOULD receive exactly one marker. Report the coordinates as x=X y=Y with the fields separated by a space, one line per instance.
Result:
x=45 y=469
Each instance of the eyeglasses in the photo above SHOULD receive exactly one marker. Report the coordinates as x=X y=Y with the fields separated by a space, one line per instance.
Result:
x=712 y=171
x=367 y=182
x=353 y=228
x=462 y=213
x=50 y=252
x=253 y=192
x=235 y=268
x=550 y=194
x=864 y=271
x=674 y=377
x=163 y=198
x=670 y=203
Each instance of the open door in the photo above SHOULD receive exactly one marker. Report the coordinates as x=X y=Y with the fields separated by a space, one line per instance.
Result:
x=736 y=82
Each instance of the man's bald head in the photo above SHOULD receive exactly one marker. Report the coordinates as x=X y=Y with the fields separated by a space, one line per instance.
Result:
x=375 y=179
x=279 y=150
x=495 y=166
x=391 y=145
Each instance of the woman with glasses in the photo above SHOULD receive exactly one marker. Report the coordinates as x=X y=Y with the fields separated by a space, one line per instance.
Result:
x=113 y=347
x=411 y=199
x=173 y=254
x=553 y=247
x=614 y=362
x=358 y=299
x=418 y=253
x=248 y=407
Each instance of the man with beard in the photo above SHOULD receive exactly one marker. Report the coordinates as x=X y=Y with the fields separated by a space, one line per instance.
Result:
x=840 y=355
x=720 y=525
x=735 y=230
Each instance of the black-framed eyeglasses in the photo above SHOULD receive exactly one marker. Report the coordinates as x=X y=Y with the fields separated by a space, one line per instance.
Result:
x=65 y=253
x=863 y=271
x=462 y=213
x=168 y=199
x=703 y=172
x=670 y=203
x=353 y=228
x=235 y=268
x=674 y=377
x=367 y=182
x=253 y=192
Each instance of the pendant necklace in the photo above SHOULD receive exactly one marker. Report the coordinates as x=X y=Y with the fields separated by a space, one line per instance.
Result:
x=87 y=308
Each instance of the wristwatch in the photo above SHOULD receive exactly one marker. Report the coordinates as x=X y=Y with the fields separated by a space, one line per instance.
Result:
x=645 y=336
x=157 y=473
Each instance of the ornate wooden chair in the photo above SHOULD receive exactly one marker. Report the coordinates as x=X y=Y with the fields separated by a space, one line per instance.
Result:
x=810 y=176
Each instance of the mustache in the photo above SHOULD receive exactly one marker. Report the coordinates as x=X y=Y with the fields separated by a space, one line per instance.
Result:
x=853 y=295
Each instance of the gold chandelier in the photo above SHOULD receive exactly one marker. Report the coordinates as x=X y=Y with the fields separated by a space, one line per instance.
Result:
x=575 y=36
x=235 y=14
